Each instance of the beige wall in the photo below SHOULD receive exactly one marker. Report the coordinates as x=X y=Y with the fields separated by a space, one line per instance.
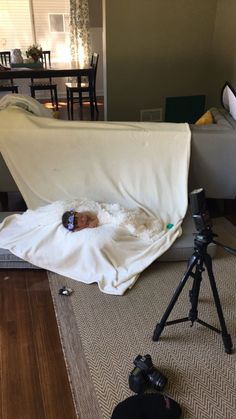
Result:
x=224 y=47
x=154 y=49
x=95 y=13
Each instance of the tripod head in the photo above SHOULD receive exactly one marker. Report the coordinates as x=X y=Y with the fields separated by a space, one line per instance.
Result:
x=203 y=222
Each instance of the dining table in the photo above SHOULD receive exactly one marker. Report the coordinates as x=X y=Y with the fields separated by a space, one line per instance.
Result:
x=28 y=70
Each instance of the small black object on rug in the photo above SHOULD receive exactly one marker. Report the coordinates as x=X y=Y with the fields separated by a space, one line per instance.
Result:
x=65 y=291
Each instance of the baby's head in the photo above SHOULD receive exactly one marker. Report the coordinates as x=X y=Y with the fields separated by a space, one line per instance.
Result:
x=68 y=220
x=74 y=221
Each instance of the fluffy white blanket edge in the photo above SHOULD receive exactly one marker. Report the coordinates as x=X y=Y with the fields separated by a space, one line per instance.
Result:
x=113 y=254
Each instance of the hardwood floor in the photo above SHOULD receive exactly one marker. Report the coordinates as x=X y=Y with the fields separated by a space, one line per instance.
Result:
x=81 y=114
x=33 y=377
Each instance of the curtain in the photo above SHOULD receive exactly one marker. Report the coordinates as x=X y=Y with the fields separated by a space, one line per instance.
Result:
x=79 y=31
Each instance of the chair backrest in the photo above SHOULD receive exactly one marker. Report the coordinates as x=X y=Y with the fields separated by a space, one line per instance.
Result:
x=94 y=60
x=46 y=58
x=94 y=64
x=5 y=60
x=46 y=61
x=5 y=57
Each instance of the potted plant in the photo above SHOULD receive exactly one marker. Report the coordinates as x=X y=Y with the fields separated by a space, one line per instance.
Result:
x=35 y=52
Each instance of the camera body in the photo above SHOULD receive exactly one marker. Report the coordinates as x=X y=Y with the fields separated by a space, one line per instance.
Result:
x=144 y=374
x=199 y=210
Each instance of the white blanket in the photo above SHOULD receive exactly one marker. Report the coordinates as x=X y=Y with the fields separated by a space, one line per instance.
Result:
x=135 y=165
x=25 y=102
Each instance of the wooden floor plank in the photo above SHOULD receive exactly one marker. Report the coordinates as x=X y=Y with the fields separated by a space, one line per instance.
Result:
x=21 y=393
x=34 y=382
x=46 y=334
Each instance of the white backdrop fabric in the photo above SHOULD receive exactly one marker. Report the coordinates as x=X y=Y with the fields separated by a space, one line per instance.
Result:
x=136 y=165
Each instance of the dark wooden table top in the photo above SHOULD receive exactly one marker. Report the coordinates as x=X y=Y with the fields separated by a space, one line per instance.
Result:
x=66 y=70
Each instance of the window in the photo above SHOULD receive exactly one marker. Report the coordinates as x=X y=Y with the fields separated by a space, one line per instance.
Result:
x=59 y=22
x=15 y=22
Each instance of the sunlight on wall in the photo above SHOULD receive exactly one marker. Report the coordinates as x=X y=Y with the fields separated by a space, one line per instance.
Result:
x=58 y=44
x=62 y=53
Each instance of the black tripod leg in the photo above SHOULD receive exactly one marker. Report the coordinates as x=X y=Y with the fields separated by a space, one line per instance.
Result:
x=194 y=293
x=160 y=326
x=227 y=341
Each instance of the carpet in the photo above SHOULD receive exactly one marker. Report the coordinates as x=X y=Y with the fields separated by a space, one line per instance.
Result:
x=102 y=334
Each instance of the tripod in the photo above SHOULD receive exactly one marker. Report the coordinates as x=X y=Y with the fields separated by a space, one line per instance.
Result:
x=199 y=260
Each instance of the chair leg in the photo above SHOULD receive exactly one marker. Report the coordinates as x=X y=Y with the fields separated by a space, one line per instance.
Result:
x=68 y=102
x=52 y=99
x=72 y=105
x=32 y=92
x=95 y=101
x=56 y=98
x=80 y=99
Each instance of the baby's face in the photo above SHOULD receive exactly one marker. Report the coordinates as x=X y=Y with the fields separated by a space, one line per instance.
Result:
x=81 y=220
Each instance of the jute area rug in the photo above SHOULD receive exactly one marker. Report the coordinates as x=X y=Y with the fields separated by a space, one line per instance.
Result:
x=102 y=334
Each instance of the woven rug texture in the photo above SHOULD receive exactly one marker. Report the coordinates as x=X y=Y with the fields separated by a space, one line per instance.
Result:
x=102 y=334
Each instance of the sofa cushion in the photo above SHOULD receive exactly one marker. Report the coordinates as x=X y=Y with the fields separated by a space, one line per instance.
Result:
x=219 y=118
x=205 y=119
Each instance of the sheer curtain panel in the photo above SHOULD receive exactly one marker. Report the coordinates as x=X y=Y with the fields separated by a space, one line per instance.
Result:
x=79 y=31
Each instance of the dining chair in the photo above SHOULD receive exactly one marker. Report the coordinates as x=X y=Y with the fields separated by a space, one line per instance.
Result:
x=5 y=57
x=8 y=84
x=45 y=84
x=80 y=88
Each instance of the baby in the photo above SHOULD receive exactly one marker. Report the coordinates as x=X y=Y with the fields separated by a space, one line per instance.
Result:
x=75 y=221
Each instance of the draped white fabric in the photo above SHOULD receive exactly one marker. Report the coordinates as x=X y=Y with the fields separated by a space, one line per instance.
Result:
x=135 y=165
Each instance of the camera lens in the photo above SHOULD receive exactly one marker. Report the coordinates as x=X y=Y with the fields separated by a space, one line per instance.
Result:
x=157 y=380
